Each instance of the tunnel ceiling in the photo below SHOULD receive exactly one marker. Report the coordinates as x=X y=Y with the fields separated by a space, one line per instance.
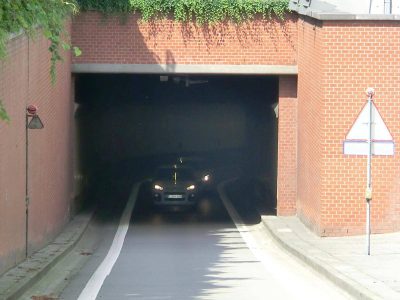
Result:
x=112 y=89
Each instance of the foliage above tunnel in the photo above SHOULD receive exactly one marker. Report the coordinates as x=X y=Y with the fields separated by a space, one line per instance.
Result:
x=26 y=16
x=29 y=15
x=201 y=11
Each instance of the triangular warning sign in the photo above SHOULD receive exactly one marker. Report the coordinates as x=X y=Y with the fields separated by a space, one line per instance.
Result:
x=359 y=131
x=357 y=137
x=35 y=123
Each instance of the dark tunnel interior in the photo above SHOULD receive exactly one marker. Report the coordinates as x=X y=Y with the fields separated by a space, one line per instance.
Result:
x=128 y=124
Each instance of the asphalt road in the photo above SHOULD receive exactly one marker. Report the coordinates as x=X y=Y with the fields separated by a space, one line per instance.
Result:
x=198 y=254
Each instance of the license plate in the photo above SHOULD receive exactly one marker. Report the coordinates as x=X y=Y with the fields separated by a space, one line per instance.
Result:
x=174 y=196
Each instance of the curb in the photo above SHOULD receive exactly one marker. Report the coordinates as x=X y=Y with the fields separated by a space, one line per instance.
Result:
x=325 y=263
x=18 y=280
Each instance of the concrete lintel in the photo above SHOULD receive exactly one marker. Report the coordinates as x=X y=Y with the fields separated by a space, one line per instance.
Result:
x=185 y=69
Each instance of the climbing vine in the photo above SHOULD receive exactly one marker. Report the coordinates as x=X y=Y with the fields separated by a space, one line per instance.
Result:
x=3 y=113
x=200 y=11
x=30 y=17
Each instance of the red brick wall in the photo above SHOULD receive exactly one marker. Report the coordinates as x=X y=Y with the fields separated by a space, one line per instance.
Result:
x=358 y=55
x=337 y=61
x=287 y=146
x=12 y=155
x=24 y=79
x=310 y=122
x=108 y=40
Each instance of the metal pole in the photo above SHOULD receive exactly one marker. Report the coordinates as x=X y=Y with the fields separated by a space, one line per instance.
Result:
x=368 y=228
x=368 y=193
x=26 y=185
x=27 y=162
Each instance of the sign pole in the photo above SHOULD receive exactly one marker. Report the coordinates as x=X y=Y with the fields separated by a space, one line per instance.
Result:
x=368 y=192
x=369 y=136
x=34 y=123
x=26 y=185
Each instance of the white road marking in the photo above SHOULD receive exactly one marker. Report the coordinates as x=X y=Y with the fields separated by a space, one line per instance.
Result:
x=95 y=282
x=281 y=230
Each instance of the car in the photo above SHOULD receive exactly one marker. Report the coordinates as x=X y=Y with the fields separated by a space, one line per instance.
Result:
x=174 y=186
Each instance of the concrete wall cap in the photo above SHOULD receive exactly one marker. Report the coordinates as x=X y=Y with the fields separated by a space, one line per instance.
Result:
x=343 y=16
x=346 y=10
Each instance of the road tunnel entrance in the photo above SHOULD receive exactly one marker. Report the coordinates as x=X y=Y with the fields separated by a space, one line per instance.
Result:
x=129 y=124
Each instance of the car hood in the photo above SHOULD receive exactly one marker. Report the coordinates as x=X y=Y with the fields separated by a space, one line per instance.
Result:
x=170 y=185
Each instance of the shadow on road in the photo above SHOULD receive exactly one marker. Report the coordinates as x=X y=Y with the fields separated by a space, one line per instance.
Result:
x=252 y=198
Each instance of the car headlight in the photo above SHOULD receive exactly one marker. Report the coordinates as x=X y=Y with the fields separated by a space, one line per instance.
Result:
x=191 y=187
x=158 y=187
x=206 y=178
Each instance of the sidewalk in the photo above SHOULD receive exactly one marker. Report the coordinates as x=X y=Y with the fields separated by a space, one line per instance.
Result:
x=343 y=259
x=17 y=280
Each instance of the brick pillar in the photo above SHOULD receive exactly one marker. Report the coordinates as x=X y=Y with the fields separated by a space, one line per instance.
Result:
x=287 y=146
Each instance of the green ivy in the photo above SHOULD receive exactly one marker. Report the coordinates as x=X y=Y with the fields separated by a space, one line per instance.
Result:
x=3 y=113
x=200 y=11
x=29 y=15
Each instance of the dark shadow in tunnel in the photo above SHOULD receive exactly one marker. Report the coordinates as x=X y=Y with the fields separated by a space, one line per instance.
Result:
x=131 y=123
x=106 y=183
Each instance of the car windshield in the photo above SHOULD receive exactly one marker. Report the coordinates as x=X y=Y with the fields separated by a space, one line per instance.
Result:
x=192 y=161
x=175 y=174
